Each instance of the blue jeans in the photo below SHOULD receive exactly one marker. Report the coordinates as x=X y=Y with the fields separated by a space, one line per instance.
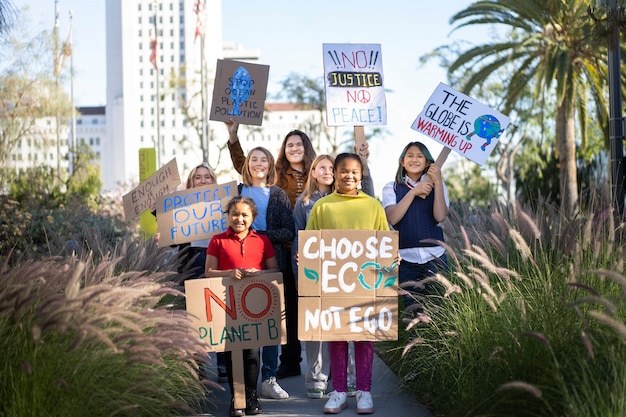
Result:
x=414 y=272
x=269 y=357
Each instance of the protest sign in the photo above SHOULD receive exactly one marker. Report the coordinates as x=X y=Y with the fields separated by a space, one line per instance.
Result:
x=193 y=214
x=240 y=91
x=347 y=285
x=234 y=314
x=353 y=80
x=145 y=195
x=461 y=123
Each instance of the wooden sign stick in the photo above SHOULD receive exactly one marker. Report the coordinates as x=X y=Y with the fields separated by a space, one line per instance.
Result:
x=359 y=136
x=239 y=386
x=441 y=159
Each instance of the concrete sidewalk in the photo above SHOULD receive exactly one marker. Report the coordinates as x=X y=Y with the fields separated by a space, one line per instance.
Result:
x=389 y=398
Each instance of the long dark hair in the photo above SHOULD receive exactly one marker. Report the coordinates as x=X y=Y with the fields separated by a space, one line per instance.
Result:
x=282 y=164
x=401 y=173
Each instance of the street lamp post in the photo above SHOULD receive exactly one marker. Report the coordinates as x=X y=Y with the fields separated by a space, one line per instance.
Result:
x=616 y=127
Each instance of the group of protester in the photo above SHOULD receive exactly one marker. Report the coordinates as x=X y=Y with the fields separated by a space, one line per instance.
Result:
x=302 y=191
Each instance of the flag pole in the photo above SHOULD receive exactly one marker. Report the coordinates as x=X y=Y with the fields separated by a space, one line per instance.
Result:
x=158 y=92
x=73 y=142
x=55 y=60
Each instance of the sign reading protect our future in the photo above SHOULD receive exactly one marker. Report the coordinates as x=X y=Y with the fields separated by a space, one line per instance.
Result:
x=234 y=314
x=461 y=123
x=347 y=285
x=193 y=214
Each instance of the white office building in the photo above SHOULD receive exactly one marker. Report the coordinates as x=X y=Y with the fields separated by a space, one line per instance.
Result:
x=136 y=117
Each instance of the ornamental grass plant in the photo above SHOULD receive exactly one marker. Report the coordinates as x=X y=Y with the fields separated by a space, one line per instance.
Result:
x=530 y=320
x=98 y=336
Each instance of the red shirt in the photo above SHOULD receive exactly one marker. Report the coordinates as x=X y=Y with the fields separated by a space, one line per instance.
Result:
x=231 y=252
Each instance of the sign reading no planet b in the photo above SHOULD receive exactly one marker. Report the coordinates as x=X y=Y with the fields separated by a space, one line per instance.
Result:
x=353 y=78
x=240 y=91
x=144 y=196
x=461 y=123
x=193 y=214
x=234 y=314
x=347 y=285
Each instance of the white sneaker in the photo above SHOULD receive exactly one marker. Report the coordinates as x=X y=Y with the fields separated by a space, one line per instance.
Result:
x=364 y=402
x=271 y=389
x=337 y=401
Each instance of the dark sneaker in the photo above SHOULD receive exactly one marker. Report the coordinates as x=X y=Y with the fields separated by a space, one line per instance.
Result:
x=235 y=412
x=252 y=403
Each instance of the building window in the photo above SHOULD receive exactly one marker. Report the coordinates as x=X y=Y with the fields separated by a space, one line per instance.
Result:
x=97 y=141
x=90 y=141
x=94 y=121
x=79 y=121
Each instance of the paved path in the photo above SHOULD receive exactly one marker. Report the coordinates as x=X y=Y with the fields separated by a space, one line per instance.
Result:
x=389 y=398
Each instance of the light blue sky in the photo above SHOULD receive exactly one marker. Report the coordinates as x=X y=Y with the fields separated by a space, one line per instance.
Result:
x=290 y=35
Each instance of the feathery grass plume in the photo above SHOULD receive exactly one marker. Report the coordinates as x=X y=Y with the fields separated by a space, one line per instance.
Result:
x=527 y=225
x=522 y=386
x=521 y=245
x=587 y=344
x=617 y=325
x=612 y=308
x=615 y=276
x=466 y=280
x=466 y=241
x=483 y=281
x=585 y=287
x=496 y=243
x=490 y=301
x=454 y=289
x=419 y=318
x=411 y=344
x=537 y=335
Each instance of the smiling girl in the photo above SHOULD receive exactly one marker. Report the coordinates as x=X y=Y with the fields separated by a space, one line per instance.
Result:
x=415 y=204
x=275 y=220
x=349 y=208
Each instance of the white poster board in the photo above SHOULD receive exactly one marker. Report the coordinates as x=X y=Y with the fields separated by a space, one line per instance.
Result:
x=353 y=80
x=461 y=123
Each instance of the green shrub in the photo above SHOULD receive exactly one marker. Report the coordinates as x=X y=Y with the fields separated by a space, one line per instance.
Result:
x=84 y=338
x=532 y=320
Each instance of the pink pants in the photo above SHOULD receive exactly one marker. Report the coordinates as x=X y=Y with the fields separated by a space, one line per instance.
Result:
x=363 y=360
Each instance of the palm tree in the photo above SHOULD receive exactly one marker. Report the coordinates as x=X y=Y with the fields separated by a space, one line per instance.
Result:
x=7 y=14
x=551 y=48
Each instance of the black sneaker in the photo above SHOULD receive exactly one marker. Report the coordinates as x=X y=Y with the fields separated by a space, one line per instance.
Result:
x=252 y=403
x=287 y=371
x=235 y=412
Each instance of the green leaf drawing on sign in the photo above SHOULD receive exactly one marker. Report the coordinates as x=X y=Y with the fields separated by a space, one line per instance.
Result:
x=311 y=274
x=389 y=282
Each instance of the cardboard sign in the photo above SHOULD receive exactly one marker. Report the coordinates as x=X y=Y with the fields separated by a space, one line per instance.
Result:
x=235 y=314
x=461 y=123
x=145 y=195
x=240 y=92
x=353 y=80
x=347 y=285
x=194 y=214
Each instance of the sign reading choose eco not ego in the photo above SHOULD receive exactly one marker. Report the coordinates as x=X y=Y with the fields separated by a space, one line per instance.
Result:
x=234 y=314
x=347 y=285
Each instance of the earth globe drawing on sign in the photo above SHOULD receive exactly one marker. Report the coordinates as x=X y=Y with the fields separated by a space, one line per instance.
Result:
x=240 y=86
x=486 y=127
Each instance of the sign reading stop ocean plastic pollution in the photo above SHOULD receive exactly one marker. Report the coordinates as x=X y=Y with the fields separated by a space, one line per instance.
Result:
x=461 y=123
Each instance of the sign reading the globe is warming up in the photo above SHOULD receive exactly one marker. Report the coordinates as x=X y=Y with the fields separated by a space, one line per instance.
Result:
x=461 y=123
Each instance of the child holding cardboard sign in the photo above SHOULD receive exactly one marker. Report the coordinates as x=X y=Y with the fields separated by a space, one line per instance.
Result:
x=241 y=252
x=349 y=208
x=275 y=219
x=415 y=203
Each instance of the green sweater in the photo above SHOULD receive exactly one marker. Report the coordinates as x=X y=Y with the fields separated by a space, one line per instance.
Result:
x=341 y=211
